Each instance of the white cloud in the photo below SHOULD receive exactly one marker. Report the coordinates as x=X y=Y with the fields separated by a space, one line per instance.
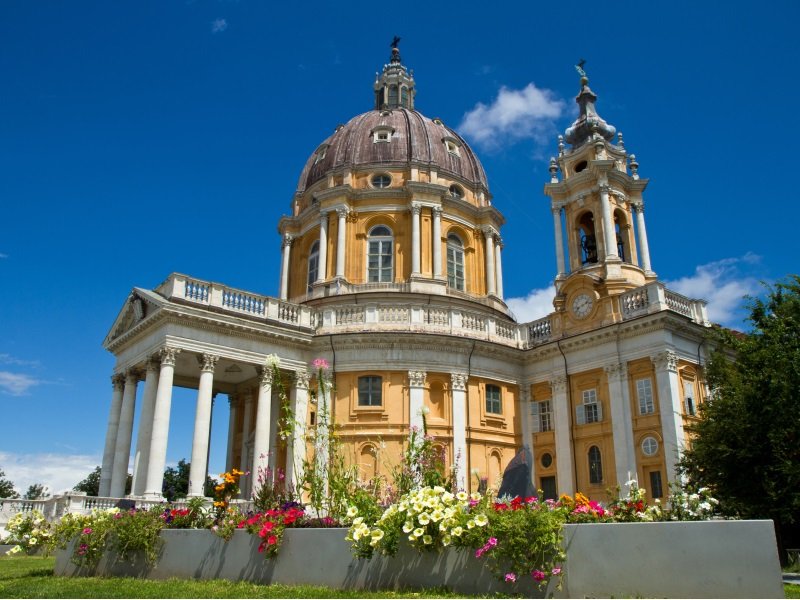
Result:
x=537 y=304
x=7 y=359
x=723 y=283
x=218 y=25
x=59 y=472
x=16 y=384
x=514 y=115
x=2 y=255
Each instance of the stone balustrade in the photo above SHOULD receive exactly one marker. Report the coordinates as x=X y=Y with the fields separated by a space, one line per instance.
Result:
x=392 y=316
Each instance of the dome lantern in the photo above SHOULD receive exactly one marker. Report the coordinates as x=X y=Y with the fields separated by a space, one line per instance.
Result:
x=394 y=88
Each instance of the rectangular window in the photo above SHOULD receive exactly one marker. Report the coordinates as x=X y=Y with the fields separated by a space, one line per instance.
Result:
x=455 y=267
x=644 y=392
x=545 y=416
x=590 y=411
x=369 y=391
x=548 y=485
x=656 y=489
x=494 y=403
x=689 y=404
x=379 y=261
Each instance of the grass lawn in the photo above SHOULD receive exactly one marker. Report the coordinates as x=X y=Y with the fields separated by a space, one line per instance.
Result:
x=32 y=577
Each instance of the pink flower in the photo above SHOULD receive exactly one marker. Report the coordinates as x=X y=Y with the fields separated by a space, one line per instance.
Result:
x=511 y=577
x=492 y=541
x=479 y=552
x=538 y=575
x=87 y=531
x=320 y=363
x=556 y=571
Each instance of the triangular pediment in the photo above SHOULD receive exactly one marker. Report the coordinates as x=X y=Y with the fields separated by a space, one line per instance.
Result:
x=140 y=305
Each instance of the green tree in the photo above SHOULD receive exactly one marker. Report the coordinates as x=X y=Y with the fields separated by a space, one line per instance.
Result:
x=746 y=444
x=7 y=487
x=176 y=482
x=91 y=484
x=36 y=491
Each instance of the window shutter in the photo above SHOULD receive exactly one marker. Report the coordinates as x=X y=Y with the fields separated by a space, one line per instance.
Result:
x=580 y=415
x=599 y=411
x=537 y=424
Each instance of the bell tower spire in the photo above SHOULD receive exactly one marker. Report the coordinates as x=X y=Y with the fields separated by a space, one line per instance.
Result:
x=394 y=87
x=597 y=202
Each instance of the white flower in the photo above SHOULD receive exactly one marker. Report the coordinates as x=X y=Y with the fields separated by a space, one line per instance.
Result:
x=705 y=506
x=408 y=527
x=352 y=512
x=446 y=540
x=447 y=497
x=418 y=532
x=475 y=496
x=481 y=520
x=358 y=521
x=427 y=540
x=470 y=524
x=272 y=360
x=457 y=531
x=462 y=496
x=424 y=518
x=377 y=534
x=437 y=515
x=439 y=489
x=424 y=410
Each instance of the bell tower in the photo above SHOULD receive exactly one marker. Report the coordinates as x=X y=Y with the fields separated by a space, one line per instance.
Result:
x=597 y=205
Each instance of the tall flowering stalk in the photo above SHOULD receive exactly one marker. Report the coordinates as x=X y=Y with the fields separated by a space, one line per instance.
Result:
x=226 y=490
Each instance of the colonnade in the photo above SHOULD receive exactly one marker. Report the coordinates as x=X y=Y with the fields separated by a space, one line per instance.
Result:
x=607 y=233
x=259 y=409
x=493 y=268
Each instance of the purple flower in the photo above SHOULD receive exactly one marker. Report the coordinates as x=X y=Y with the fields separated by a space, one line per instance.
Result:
x=511 y=577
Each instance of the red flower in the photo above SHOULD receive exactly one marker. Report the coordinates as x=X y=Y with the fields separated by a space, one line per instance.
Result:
x=272 y=540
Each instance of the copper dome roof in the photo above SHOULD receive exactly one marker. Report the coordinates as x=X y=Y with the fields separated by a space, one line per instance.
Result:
x=414 y=140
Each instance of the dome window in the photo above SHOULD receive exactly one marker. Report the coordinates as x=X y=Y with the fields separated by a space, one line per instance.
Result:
x=452 y=146
x=320 y=153
x=381 y=181
x=456 y=191
x=382 y=134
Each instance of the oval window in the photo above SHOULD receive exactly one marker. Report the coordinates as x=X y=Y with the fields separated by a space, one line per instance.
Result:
x=547 y=460
x=381 y=181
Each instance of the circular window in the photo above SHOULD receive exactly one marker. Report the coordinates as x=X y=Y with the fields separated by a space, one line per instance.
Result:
x=381 y=181
x=547 y=460
x=650 y=446
x=456 y=191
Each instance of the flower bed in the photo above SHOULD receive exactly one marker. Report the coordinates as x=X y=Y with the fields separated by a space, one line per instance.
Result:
x=731 y=559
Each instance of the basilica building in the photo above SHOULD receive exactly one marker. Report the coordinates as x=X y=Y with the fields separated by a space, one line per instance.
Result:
x=391 y=271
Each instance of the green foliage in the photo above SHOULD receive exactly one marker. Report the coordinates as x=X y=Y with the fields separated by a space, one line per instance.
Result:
x=423 y=463
x=746 y=445
x=36 y=491
x=90 y=485
x=176 y=482
x=136 y=532
x=7 y=487
x=29 y=531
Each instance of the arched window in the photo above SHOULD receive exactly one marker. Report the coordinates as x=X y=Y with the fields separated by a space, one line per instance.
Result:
x=313 y=264
x=595 y=465
x=380 y=258
x=622 y=231
x=588 y=238
x=455 y=262
x=393 y=103
x=404 y=97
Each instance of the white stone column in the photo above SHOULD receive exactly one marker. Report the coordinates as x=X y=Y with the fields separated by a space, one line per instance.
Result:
x=416 y=211
x=458 y=391
x=524 y=408
x=141 y=457
x=122 y=451
x=118 y=383
x=641 y=231
x=560 y=263
x=437 y=242
x=562 y=411
x=245 y=463
x=621 y=423
x=322 y=272
x=287 y=248
x=609 y=233
x=274 y=439
x=296 y=447
x=262 y=433
x=499 y=268
x=341 y=239
x=670 y=408
x=158 y=442
x=488 y=233
x=202 y=426
x=416 y=397
x=233 y=417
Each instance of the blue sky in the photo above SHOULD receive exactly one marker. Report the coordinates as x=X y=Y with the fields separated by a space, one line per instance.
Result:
x=141 y=138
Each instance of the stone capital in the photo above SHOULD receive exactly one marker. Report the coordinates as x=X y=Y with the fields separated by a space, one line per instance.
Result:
x=169 y=355
x=558 y=384
x=153 y=363
x=437 y=211
x=342 y=212
x=302 y=379
x=416 y=209
x=118 y=381
x=524 y=394
x=665 y=361
x=265 y=375
x=458 y=381
x=489 y=232
x=616 y=371
x=288 y=238
x=417 y=378
x=637 y=206
x=207 y=362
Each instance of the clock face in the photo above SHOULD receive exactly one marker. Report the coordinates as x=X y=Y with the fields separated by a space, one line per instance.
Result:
x=582 y=305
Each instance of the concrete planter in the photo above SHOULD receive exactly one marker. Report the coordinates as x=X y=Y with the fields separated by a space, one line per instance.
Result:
x=712 y=559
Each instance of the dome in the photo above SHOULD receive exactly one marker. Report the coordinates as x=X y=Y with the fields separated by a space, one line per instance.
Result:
x=394 y=137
